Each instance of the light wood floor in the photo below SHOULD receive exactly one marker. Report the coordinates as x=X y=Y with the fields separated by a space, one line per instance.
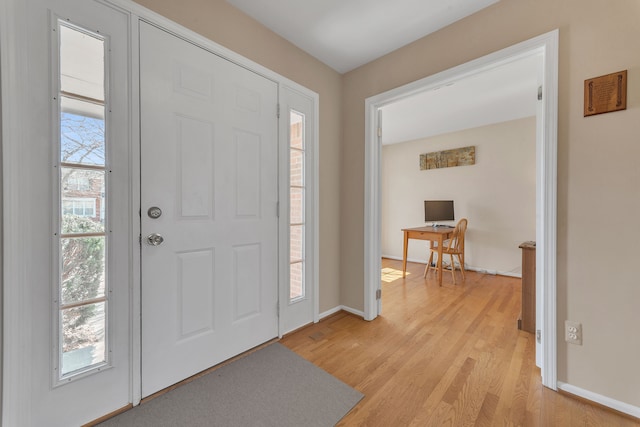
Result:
x=449 y=356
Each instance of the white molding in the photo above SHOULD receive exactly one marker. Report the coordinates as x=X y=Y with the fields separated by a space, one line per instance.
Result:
x=509 y=274
x=140 y=12
x=466 y=267
x=353 y=311
x=399 y=258
x=546 y=205
x=338 y=308
x=16 y=332
x=372 y=209
x=135 y=223
x=547 y=212
x=328 y=313
x=315 y=152
x=283 y=219
x=619 y=406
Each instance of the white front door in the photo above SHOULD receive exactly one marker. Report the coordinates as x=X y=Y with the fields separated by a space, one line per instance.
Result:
x=209 y=164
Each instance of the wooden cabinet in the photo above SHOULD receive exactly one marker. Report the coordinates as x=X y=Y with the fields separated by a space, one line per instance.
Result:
x=527 y=321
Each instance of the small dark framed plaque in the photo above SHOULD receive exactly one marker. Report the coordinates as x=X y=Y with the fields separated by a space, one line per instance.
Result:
x=605 y=94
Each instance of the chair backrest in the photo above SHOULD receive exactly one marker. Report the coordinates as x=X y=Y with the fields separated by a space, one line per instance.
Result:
x=456 y=243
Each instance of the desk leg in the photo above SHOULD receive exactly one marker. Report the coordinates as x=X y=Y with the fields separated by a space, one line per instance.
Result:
x=440 y=243
x=404 y=254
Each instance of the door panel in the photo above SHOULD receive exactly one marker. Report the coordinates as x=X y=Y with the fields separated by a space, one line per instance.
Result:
x=195 y=168
x=209 y=161
x=195 y=293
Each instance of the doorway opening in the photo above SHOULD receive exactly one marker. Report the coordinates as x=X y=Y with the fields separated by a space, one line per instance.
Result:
x=546 y=182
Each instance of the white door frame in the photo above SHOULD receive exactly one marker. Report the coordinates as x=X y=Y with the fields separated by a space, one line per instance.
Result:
x=546 y=183
x=16 y=334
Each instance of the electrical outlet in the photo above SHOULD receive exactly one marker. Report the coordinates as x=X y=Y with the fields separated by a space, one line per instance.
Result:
x=573 y=332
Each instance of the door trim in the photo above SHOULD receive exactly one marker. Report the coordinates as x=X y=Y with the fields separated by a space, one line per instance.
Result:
x=546 y=182
x=15 y=333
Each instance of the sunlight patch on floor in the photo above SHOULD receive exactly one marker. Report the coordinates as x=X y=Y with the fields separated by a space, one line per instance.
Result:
x=390 y=274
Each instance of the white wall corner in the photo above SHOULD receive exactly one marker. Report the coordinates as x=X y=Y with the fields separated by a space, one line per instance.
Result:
x=338 y=308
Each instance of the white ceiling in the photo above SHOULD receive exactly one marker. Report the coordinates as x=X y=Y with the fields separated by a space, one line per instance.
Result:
x=506 y=93
x=345 y=34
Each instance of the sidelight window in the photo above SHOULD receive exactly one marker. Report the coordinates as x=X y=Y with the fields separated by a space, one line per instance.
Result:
x=296 y=204
x=82 y=288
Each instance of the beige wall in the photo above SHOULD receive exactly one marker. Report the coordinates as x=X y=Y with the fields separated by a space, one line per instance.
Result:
x=227 y=26
x=497 y=194
x=597 y=171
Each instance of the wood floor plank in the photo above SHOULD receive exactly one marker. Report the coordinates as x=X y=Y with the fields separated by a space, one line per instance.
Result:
x=437 y=356
x=488 y=410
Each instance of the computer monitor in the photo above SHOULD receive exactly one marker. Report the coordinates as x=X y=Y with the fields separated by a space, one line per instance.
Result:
x=438 y=210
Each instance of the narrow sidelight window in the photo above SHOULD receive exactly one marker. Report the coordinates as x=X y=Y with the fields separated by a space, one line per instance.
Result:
x=296 y=204
x=82 y=289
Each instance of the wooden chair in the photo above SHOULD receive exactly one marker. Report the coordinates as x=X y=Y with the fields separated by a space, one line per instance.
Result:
x=454 y=247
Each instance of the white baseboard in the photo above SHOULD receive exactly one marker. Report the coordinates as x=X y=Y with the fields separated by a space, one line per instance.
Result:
x=625 y=408
x=468 y=267
x=330 y=312
x=419 y=261
x=495 y=272
x=509 y=274
x=353 y=311
x=339 y=308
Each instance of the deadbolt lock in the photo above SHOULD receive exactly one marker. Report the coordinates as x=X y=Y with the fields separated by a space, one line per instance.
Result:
x=154 y=212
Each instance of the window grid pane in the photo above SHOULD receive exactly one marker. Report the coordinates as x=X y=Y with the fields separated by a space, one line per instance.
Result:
x=296 y=165
x=296 y=243
x=83 y=194
x=296 y=205
x=82 y=135
x=297 y=130
x=85 y=77
x=83 y=275
x=296 y=274
x=83 y=339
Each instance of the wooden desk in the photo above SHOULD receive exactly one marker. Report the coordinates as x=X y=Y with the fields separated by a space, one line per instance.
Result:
x=434 y=234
